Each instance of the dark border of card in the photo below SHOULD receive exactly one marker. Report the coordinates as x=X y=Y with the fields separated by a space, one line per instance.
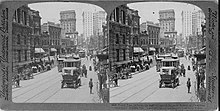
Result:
x=210 y=8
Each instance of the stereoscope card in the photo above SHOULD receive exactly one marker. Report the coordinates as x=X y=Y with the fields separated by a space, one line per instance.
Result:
x=109 y=55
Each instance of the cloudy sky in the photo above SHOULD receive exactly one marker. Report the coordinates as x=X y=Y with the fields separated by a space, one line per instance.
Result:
x=49 y=11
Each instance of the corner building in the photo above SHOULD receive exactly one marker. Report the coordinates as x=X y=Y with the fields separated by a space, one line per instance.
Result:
x=25 y=27
x=120 y=40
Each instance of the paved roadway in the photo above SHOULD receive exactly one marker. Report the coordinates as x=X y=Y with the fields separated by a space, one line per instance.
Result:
x=144 y=87
x=46 y=88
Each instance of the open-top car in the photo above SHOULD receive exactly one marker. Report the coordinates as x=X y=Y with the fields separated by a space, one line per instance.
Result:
x=169 y=76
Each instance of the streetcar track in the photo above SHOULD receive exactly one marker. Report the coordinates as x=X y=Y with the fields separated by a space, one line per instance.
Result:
x=131 y=83
x=42 y=91
x=133 y=86
x=51 y=95
x=34 y=87
x=34 y=83
x=140 y=90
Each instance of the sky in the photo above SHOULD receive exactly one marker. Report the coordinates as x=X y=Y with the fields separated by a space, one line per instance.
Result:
x=148 y=11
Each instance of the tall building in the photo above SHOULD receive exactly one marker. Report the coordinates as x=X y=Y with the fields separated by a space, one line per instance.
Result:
x=167 y=20
x=25 y=27
x=87 y=24
x=123 y=24
x=187 y=22
x=68 y=21
x=99 y=19
x=54 y=31
x=198 y=18
x=167 y=24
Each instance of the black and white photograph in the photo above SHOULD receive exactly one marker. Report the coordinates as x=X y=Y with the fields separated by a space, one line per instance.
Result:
x=157 y=53
x=59 y=53
x=109 y=55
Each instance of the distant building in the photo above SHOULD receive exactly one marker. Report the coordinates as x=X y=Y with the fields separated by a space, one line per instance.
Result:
x=152 y=41
x=187 y=24
x=167 y=24
x=99 y=19
x=54 y=31
x=68 y=21
x=87 y=24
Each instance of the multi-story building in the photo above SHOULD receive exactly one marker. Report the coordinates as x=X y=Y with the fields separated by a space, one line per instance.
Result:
x=187 y=22
x=25 y=27
x=198 y=18
x=87 y=24
x=68 y=21
x=120 y=41
x=167 y=24
x=150 y=35
x=54 y=31
x=99 y=18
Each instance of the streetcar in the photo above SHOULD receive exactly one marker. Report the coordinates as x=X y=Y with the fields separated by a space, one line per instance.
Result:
x=71 y=72
x=169 y=76
x=159 y=63
x=170 y=62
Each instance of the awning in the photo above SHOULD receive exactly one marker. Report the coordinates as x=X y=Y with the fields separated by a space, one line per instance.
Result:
x=152 y=49
x=138 y=49
x=53 y=49
x=39 y=50
x=122 y=62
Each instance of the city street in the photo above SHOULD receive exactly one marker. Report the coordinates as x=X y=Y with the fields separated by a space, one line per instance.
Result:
x=144 y=87
x=46 y=88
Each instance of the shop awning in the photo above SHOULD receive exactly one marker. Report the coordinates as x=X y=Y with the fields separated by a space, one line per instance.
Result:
x=53 y=49
x=39 y=50
x=152 y=49
x=122 y=62
x=138 y=49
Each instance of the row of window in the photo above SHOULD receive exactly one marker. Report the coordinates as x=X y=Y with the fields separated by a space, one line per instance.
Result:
x=149 y=42
x=118 y=54
x=118 y=39
x=21 y=55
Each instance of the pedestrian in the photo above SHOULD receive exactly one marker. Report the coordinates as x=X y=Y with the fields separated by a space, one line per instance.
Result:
x=17 y=80
x=116 y=80
x=188 y=85
x=90 y=85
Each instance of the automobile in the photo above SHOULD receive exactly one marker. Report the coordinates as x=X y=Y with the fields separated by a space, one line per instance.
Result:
x=169 y=76
x=71 y=77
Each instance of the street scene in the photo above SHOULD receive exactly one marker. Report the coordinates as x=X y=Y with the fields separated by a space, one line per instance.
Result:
x=59 y=54
x=157 y=54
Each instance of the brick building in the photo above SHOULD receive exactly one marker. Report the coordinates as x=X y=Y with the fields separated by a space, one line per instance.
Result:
x=54 y=32
x=123 y=25
x=25 y=28
x=150 y=37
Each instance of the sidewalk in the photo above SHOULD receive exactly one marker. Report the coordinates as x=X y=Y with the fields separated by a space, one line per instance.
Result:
x=34 y=74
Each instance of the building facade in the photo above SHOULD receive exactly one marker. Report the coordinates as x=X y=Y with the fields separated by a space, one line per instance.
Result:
x=167 y=24
x=120 y=37
x=99 y=18
x=68 y=21
x=25 y=28
x=150 y=36
x=54 y=31
x=87 y=24
x=187 y=23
